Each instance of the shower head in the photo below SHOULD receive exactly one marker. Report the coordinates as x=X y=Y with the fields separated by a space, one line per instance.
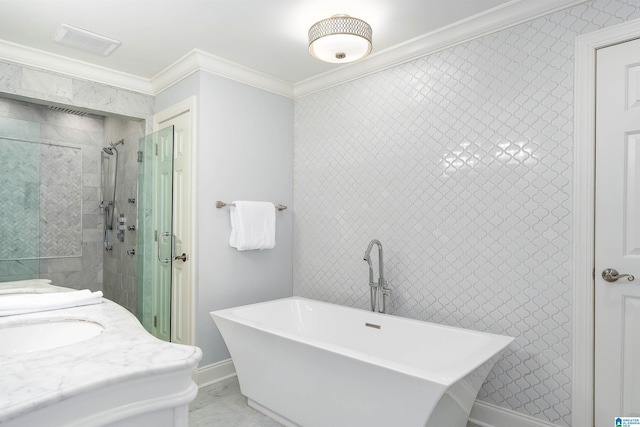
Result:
x=110 y=150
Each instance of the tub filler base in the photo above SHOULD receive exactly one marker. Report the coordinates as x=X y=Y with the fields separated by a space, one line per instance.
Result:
x=307 y=363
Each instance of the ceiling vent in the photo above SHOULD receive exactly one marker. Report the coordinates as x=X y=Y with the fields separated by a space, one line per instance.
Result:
x=85 y=40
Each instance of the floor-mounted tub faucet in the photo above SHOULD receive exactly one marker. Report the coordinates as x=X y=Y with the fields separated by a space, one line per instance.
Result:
x=379 y=290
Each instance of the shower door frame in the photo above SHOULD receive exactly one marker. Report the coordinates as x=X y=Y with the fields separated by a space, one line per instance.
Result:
x=583 y=262
x=183 y=309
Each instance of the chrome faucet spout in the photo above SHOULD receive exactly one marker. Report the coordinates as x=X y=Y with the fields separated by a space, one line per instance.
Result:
x=380 y=290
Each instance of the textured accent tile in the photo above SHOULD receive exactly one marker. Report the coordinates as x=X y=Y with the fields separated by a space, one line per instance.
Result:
x=60 y=199
x=461 y=164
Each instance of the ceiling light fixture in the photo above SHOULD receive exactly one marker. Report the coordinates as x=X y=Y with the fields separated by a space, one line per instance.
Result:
x=340 y=39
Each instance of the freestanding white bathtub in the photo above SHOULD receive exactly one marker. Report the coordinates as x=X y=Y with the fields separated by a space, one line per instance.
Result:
x=309 y=363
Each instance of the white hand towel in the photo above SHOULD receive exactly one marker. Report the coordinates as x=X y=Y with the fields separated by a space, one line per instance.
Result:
x=12 y=304
x=253 y=225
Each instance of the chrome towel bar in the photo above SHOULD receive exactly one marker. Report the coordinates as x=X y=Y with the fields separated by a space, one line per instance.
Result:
x=220 y=204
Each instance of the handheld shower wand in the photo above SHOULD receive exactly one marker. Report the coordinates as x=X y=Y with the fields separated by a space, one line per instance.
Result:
x=109 y=207
x=379 y=290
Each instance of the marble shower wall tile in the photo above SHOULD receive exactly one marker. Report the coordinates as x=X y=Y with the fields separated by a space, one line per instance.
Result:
x=90 y=136
x=119 y=267
x=35 y=82
x=49 y=87
x=66 y=200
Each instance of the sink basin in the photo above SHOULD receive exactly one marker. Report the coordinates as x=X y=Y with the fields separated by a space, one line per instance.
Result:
x=30 y=337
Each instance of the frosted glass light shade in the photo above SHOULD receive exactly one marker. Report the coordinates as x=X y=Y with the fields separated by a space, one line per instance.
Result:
x=340 y=39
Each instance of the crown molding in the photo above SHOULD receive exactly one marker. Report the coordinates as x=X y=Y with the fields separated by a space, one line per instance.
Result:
x=507 y=15
x=198 y=60
x=499 y=18
x=35 y=58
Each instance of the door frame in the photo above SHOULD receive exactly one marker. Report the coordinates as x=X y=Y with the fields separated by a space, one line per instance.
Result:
x=583 y=262
x=189 y=316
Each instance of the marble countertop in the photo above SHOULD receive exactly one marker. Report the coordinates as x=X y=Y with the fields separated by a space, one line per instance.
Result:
x=123 y=351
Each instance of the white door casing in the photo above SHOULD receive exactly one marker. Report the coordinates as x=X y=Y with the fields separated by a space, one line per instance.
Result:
x=182 y=117
x=583 y=214
x=617 y=233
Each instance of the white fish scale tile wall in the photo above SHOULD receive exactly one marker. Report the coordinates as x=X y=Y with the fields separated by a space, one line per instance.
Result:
x=461 y=164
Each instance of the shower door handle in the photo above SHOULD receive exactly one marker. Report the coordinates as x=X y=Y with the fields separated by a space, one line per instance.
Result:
x=173 y=246
x=182 y=257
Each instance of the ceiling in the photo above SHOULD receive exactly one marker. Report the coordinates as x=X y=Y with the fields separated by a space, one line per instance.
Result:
x=269 y=36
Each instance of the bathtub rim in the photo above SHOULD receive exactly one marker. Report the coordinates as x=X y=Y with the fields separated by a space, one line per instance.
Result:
x=446 y=377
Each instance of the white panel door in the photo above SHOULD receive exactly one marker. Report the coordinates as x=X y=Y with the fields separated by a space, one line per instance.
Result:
x=181 y=294
x=617 y=233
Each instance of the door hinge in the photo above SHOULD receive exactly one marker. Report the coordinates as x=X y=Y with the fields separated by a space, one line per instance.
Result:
x=156 y=149
x=155 y=235
x=593 y=274
x=139 y=156
x=155 y=321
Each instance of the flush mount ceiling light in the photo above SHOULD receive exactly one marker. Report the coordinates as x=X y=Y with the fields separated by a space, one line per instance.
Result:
x=85 y=40
x=340 y=39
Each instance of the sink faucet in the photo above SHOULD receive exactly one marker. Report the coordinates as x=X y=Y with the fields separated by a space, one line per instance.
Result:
x=379 y=290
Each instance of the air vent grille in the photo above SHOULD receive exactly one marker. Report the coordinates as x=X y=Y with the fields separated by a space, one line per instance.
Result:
x=85 y=40
x=67 y=110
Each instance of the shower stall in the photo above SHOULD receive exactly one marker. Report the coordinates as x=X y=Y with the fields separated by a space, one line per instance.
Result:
x=87 y=203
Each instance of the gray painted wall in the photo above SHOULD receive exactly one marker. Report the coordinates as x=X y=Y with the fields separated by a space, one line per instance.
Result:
x=244 y=152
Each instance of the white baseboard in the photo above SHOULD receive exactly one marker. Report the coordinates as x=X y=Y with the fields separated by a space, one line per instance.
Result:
x=206 y=375
x=482 y=414
x=488 y=415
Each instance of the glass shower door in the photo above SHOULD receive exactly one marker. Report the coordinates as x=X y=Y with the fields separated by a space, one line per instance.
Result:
x=19 y=200
x=155 y=235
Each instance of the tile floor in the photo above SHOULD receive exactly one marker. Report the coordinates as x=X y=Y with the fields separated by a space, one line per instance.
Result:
x=221 y=405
